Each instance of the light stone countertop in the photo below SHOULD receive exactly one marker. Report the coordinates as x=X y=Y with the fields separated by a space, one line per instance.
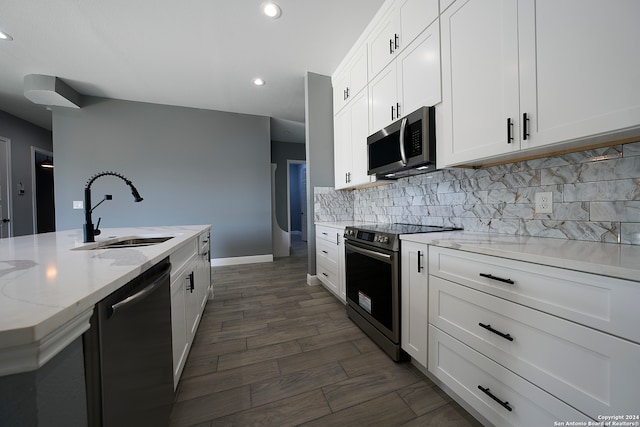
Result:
x=45 y=284
x=607 y=259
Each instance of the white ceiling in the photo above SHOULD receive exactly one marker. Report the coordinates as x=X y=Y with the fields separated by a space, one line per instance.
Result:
x=192 y=53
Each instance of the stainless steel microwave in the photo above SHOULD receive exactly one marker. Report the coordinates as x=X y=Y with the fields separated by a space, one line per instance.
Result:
x=405 y=147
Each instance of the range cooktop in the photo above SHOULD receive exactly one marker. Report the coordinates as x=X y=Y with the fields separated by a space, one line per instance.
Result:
x=387 y=236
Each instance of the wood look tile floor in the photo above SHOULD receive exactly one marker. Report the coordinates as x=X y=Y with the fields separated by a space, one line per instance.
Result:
x=273 y=351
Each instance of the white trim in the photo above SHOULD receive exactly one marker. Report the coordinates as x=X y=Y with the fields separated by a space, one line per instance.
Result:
x=217 y=262
x=312 y=280
x=34 y=202
x=32 y=356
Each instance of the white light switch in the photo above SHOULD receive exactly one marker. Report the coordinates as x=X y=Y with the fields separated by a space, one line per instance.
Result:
x=78 y=204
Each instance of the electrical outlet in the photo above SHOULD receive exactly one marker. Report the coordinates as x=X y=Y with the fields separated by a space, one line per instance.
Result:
x=544 y=202
x=78 y=204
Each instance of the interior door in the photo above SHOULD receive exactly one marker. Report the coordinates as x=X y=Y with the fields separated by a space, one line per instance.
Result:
x=6 y=229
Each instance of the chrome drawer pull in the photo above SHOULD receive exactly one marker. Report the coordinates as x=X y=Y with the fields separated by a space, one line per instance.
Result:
x=505 y=405
x=489 y=328
x=499 y=279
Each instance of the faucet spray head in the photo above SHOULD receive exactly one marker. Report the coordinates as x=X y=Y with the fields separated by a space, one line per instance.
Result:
x=136 y=196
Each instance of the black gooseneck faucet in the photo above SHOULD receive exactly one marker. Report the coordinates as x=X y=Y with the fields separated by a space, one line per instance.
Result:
x=89 y=231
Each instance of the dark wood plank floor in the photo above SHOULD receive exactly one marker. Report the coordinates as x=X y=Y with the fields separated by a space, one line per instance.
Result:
x=272 y=351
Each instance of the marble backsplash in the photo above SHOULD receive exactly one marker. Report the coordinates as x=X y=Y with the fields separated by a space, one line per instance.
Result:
x=596 y=197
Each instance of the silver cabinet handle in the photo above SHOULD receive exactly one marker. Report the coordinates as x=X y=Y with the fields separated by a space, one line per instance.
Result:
x=132 y=299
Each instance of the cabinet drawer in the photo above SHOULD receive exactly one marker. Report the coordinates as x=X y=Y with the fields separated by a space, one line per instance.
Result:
x=328 y=276
x=590 y=370
x=464 y=370
x=604 y=303
x=327 y=251
x=182 y=256
x=332 y=235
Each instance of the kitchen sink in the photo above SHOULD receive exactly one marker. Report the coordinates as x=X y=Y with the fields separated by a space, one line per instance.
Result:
x=125 y=242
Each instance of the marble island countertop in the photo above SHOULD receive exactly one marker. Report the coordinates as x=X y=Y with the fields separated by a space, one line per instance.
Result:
x=48 y=284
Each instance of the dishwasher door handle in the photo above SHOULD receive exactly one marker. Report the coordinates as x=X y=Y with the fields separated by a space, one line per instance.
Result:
x=132 y=299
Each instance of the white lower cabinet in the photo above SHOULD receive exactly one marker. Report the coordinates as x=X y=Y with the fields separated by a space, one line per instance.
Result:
x=190 y=286
x=414 y=294
x=526 y=332
x=502 y=397
x=330 y=259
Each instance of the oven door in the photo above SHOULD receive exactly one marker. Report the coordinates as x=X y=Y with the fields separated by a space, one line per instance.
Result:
x=373 y=286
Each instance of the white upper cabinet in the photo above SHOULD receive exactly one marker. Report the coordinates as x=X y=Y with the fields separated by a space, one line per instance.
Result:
x=479 y=81
x=418 y=72
x=579 y=68
x=520 y=75
x=397 y=29
x=384 y=98
x=351 y=129
x=408 y=83
x=348 y=83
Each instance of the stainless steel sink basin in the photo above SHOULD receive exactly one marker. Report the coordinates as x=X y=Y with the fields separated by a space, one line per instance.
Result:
x=125 y=242
x=136 y=241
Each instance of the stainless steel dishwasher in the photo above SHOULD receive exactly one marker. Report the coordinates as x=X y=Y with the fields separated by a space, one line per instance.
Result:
x=128 y=354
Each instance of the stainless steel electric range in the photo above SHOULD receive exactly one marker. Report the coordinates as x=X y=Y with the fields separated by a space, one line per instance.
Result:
x=373 y=279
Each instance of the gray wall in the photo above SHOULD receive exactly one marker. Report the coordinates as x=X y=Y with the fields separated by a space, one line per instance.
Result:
x=280 y=153
x=191 y=166
x=23 y=135
x=319 y=136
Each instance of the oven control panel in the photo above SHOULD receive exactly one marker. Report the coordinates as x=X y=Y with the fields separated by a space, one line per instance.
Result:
x=376 y=238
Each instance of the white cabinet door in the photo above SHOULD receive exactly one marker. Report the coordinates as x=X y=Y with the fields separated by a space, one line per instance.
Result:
x=384 y=42
x=397 y=29
x=193 y=300
x=351 y=129
x=340 y=83
x=410 y=82
x=479 y=81
x=383 y=94
x=580 y=72
x=415 y=16
x=351 y=80
x=418 y=72
x=342 y=148
x=359 y=133
x=414 y=300
x=178 y=329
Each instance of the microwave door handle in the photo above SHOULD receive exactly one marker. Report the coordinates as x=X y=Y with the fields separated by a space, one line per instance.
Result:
x=403 y=154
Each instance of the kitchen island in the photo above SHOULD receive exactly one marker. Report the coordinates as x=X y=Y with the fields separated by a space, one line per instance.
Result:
x=49 y=285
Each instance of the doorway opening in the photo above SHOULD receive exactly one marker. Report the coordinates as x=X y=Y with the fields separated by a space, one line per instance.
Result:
x=297 y=204
x=44 y=213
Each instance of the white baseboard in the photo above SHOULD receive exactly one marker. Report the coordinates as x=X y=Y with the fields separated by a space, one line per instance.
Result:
x=312 y=280
x=218 y=262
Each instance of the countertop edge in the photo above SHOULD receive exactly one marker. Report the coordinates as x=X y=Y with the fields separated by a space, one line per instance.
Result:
x=604 y=259
x=30 y=347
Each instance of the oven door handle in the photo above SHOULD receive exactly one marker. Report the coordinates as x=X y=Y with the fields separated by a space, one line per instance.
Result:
x=370 y=253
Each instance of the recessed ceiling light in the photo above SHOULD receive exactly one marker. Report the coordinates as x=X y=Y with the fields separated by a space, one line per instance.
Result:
x=5 y=36
x=259 y=82
x=271 y=9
